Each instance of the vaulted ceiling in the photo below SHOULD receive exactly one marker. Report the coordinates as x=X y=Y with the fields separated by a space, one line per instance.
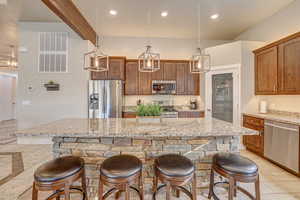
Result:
x=141 y=18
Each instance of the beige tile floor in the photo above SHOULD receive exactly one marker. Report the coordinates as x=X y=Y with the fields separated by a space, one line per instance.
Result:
x=276 y=184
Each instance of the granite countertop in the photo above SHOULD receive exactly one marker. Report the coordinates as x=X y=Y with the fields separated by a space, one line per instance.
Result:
x=178 y=108
x=279 y=117
x=121 y=127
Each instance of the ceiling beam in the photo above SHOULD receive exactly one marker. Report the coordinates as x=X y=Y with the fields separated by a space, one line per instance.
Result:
x=69 y=13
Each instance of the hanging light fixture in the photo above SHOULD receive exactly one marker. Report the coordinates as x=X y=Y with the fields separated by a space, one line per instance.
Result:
x=12 y=62
x=149 y=61
x=96 y=60
x=200 y=62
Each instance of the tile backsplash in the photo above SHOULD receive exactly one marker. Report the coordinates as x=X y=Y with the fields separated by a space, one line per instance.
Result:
x=168 y=99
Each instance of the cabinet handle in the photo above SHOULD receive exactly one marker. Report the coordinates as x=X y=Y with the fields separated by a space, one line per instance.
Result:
x=274 y=88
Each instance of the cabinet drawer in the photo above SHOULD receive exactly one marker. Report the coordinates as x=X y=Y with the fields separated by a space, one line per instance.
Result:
x=252 y=122
x=129 y=115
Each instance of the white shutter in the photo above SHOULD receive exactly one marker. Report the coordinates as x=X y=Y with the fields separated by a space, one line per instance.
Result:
x=53 y=52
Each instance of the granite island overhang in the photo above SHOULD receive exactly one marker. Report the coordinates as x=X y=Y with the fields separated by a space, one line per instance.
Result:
x=98 y=139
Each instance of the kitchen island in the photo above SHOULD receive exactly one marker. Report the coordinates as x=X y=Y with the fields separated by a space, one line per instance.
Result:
x=98 y=139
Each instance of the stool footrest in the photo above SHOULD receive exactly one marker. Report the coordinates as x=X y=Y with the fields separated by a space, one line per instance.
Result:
x=181 y=188
x=237 y=187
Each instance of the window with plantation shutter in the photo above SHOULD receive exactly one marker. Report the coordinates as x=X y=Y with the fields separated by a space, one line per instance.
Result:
x=53 y=52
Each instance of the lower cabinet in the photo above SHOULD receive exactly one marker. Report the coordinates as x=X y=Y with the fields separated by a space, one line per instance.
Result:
x=129 y=115
x=254 y=143
x=190 y=114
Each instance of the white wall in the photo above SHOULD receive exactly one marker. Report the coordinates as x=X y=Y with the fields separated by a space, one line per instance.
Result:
x=36 y=106
x=283 y=23
x=7 y=94
x=132 y=47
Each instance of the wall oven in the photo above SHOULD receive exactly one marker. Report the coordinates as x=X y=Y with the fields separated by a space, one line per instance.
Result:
x=163 y=87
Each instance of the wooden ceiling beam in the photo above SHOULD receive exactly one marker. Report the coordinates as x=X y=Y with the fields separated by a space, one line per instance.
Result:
x=69 y=13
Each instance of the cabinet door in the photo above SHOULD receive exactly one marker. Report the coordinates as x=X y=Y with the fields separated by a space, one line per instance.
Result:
x=170 y=71
x=131 y=80
x=266 y=71
x=181 y=79
x=116 y=69
x=193 y=83
x=99 y=75
x=158 y=75
x=145 y=83
x=289 y=67
x=115 y=72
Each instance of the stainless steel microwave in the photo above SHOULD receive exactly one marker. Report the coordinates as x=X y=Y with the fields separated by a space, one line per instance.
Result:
x=163 y=87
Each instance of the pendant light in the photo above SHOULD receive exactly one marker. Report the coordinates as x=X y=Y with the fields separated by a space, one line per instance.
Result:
x=149 y=61
x=200 y=62
x=12 y=62
x=96 y=60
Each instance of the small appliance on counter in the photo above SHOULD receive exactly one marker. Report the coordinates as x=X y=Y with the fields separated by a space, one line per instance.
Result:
x=105 y=99
x=263 y=107
x=193 y=104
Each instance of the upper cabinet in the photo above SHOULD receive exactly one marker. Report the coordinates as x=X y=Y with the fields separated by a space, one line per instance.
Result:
x=116 y=70
x=131 y=78
x=140 y=83
x=289 y=67
x=277 y=67
x=266 y=66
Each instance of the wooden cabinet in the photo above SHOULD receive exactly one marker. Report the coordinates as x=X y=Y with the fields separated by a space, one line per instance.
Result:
x=116 y=70
x=140 y=83
x=170 y=71
x=190 y=114
x=145 y=83
x=129 y=115
x=131 y=78
x=254 y=143
x=266 y=71
x=277 y=67
x=193 y=84
x=289 y=67
x=181 y=80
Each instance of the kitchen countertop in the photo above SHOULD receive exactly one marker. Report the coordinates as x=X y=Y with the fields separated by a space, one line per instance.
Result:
x=178 y=108
x=279 y=117
x=120 y=127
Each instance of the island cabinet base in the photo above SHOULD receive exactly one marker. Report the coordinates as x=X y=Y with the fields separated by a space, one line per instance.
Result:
x=95 y=150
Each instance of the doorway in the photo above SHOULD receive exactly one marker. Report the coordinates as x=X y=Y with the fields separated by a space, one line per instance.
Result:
x=222 y=97
x=8 y=84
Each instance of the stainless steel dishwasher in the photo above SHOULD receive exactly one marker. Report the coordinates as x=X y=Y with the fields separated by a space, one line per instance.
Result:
x=281 y=144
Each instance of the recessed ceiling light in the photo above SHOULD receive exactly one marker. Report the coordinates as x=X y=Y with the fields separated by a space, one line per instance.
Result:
x=215 y=16
x=164 y=14
x=113 y=12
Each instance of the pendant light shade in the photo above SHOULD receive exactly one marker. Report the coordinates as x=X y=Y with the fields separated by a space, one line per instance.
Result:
x=12 y=62
x=96 y=60
x=149 y=61
x=200 y=62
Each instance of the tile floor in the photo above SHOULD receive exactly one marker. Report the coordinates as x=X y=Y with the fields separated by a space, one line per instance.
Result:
x=276 y=184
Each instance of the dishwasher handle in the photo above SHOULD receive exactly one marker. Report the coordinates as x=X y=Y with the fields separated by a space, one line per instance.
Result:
x=281 y=127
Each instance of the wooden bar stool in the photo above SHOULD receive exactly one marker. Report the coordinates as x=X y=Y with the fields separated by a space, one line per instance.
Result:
x=121 y=172
x=235 y=168
x=174 y=171
x=59 y=175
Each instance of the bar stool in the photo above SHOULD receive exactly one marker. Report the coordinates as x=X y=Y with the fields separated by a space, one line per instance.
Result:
x=120 y=172
x=174 y=171
x=235 y=168
x=59 y=175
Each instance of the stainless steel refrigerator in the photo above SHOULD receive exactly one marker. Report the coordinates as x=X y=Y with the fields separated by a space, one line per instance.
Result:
x=105 y=99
